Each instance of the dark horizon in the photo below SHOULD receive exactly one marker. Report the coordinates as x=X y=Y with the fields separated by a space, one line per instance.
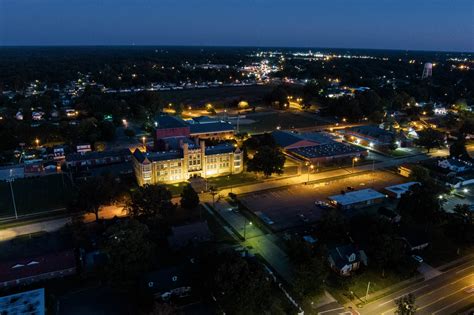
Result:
x=237 y=46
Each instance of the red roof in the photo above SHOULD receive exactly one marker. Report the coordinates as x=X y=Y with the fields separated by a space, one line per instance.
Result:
x=34 y=266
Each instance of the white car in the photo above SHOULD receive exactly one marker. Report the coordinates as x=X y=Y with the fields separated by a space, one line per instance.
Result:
x=417 y=258
x=322 y=204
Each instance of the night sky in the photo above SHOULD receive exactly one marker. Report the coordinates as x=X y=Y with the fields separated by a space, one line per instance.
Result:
x=386 y=24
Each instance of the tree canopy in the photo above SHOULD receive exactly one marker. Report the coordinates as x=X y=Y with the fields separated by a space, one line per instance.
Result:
x=430 y=138
x=189 y=197
x=150 y=201
x=267 y=160
x=129 y=251
x=240 y=286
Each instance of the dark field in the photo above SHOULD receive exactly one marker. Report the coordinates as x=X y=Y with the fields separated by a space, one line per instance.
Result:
x=34 y=195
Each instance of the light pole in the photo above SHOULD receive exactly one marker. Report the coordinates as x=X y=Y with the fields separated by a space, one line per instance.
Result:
x=144 y=144
x=10 y=180
x=367 y=292
x=228 y=178
x=310 y=168
x=245 y=228
x=354 y=159
x=37 y=142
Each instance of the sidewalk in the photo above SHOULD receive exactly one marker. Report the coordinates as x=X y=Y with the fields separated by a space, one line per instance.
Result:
x=303 y=178
x=419 y=278
x=255 y=239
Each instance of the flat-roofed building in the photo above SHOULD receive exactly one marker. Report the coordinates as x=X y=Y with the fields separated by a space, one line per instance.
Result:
x=170 y=126
x=167 y=126
x=396 y=191
x=29 y=302
x=357 y=199
x=316 y=147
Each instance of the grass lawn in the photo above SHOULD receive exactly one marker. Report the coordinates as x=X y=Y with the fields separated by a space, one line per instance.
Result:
x=359 y=282
x=233 y=180
x=177 y=188
x=221 y=181
x=36 y=194
x=220 y=235
x=402 y=152
x=285 y=120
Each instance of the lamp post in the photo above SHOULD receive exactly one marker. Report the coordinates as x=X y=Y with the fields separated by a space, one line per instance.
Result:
x=245 y=228
x=37 y=142
x=354 y=159
x=367 y=292
x=310 y=168
x=10 y=180
x=144 y=144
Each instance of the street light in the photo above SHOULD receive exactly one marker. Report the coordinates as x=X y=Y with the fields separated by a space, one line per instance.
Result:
x=10 y=180
x=37 y=142
x=310 y=168
x=245 y=228
x=354 y=159
x=143 y=141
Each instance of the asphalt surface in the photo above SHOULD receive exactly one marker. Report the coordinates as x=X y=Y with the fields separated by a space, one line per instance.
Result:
x=293 y=206
x=444 y=294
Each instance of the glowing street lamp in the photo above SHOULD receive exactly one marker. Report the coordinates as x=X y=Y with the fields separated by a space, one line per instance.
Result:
x=354 y=159
x=144 y=144
x=245 y=228
x=37 y=142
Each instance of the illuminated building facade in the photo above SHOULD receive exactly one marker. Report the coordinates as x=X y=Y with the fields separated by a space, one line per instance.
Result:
x=186 y=159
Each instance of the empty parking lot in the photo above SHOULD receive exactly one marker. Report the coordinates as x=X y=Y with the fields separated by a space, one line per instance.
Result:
x=294 y=206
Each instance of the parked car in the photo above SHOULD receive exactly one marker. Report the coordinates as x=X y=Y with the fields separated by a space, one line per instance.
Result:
x=417 y=258
x=322 y=204
x=303 y=218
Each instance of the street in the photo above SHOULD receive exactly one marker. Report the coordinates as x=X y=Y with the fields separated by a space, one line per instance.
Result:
x=444 y=294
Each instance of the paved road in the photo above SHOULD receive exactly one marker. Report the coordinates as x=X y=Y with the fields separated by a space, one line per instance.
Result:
x=444 y=294
x=303 y=178
x=52 y=225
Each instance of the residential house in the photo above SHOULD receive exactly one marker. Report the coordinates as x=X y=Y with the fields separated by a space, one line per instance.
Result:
x=30 y=269
x=189 y=234
x=164 y=284
x=346 y=259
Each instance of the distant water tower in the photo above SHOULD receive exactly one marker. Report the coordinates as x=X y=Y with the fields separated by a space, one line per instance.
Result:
x=427 y=70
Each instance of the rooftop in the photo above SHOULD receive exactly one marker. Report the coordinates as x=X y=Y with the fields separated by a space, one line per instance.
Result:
x=371 y=131
x=327 y=149
x=28 y=302
x=401 y=188
x=357 y=196
x=167 y=121
x=343 y=255
x=209 y=127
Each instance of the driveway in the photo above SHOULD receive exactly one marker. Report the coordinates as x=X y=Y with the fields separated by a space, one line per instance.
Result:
x=427 y=271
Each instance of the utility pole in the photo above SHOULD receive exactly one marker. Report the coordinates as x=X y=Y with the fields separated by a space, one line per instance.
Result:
x=367 y=293
x=13 y=195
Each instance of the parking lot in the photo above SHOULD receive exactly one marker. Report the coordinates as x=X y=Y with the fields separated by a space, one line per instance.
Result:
x=463 y=195
x=294 y=206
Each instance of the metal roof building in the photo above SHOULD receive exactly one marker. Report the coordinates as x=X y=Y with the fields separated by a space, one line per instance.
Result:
x=357 y=199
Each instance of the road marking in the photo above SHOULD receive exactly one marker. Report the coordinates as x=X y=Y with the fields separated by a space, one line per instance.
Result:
x=403 y=295
x=440 y=288
x=443 y=297
x=464 y=269
x=441 y=309
x=334 y=309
